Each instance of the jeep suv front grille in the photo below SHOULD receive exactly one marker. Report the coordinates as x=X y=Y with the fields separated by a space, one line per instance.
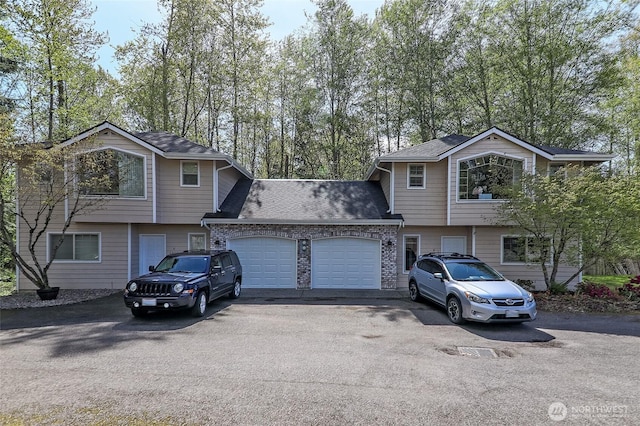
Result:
x=154 y=289
x=508 y=302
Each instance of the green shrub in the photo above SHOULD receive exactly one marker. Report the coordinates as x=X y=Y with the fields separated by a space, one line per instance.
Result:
x=558 y=288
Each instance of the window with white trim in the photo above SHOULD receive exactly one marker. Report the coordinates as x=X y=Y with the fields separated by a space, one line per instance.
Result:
x=411 y=245
x=416 y=176
x=75 y=247
x=487 y=177
x=109 y=172
x=520 y=250
x=190 y=172
x=197 y=242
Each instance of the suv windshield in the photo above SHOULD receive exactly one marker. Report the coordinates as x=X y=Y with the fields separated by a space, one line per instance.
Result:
x=197 y=264
x=472 y=271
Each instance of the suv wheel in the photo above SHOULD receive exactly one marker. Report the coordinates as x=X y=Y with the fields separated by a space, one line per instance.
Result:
x=454 y=310
x=200 y=306
x=414 y=293
x=237 y=288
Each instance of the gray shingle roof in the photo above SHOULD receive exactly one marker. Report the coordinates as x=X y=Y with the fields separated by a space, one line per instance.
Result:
x=304 y=201
x=430 y=149
x=168 y=142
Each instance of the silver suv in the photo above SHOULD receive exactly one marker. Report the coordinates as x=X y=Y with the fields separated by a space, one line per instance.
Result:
x=469 y=289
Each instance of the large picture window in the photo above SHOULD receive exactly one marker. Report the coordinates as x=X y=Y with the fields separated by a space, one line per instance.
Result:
x=75 y=247
x=110 y=172
x=487 y=177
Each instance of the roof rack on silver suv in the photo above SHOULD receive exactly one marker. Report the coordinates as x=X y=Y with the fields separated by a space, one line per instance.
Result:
x=449 y=255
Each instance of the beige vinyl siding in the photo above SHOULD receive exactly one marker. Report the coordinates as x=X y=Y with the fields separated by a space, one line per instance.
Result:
x=385 y=183
x=489 y=249
x=227 y=178
x=109 y=272
x=183 y=204
x=123 y=210
x=426 y=207
x=480 y=212
x=176 y=236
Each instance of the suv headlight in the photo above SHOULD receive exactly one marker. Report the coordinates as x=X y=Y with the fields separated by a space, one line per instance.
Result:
x=177 y=288
x=475 y=298
x=530 y=298
x=133 y=286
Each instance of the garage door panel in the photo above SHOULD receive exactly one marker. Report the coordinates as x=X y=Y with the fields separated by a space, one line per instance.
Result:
x=266 y=262
x=347 y=263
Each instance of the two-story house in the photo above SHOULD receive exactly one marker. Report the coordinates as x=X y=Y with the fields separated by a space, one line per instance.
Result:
x=178 y=195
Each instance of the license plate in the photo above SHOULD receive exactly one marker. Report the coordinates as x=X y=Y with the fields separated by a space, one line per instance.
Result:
x=512 y=314
x=148 y=302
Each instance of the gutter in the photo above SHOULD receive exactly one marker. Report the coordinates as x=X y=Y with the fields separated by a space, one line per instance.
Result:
x=343 y=222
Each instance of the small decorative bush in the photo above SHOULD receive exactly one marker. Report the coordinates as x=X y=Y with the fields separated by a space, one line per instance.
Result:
x=558 y=288
x=599 y=291
x=631 y=290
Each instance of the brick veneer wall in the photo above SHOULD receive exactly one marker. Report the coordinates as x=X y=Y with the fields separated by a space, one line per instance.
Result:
x=304 y=234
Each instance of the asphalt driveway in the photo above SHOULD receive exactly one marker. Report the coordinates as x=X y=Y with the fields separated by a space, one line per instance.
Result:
x=314 y=358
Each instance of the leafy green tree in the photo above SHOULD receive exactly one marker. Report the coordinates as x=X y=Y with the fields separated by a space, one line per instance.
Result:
x=338 y=69
x=60 y=47
x=418 y=39
x=553 y=62
x=578 y=216
x=49 y=197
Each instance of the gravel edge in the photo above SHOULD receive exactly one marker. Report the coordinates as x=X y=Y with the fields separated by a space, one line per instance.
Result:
x=29 y=299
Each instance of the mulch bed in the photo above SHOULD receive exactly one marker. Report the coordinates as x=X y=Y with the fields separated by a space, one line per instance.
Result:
x=583 y=303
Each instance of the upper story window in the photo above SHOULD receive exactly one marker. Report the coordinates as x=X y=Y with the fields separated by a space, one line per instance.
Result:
x=190 y=173
x=486 y=177
x=110 y=172
x=416 y=176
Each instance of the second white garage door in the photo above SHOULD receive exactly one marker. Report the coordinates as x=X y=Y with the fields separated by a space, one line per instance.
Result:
x=266 y=262
x=348 y=263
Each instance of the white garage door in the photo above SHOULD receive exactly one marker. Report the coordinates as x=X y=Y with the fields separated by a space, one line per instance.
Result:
x=266 y=262
x=349 y=263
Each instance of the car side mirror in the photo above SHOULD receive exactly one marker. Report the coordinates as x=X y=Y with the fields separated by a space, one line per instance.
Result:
x=152 y=268
x=216 y=269
x=438 y=275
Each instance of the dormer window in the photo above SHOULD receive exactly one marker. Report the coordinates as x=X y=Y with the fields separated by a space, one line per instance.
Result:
x=190 y=173
x=416 y=176
x=487 y=177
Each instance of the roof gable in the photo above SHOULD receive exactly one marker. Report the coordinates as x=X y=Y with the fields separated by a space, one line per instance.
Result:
x=165 y=144
x=438 y=149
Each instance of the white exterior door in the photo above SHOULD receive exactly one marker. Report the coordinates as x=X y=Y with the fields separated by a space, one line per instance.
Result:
x=347 y=263
x=454 y=245
x=152 y=251
x=266 y=262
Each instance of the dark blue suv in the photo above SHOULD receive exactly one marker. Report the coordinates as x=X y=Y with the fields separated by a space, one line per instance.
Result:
x=188 y=280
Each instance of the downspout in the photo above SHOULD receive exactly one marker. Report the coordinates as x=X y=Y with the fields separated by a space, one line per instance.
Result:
x=391 y=189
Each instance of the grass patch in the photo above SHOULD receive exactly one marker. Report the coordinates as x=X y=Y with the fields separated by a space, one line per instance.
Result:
x=611 y=281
